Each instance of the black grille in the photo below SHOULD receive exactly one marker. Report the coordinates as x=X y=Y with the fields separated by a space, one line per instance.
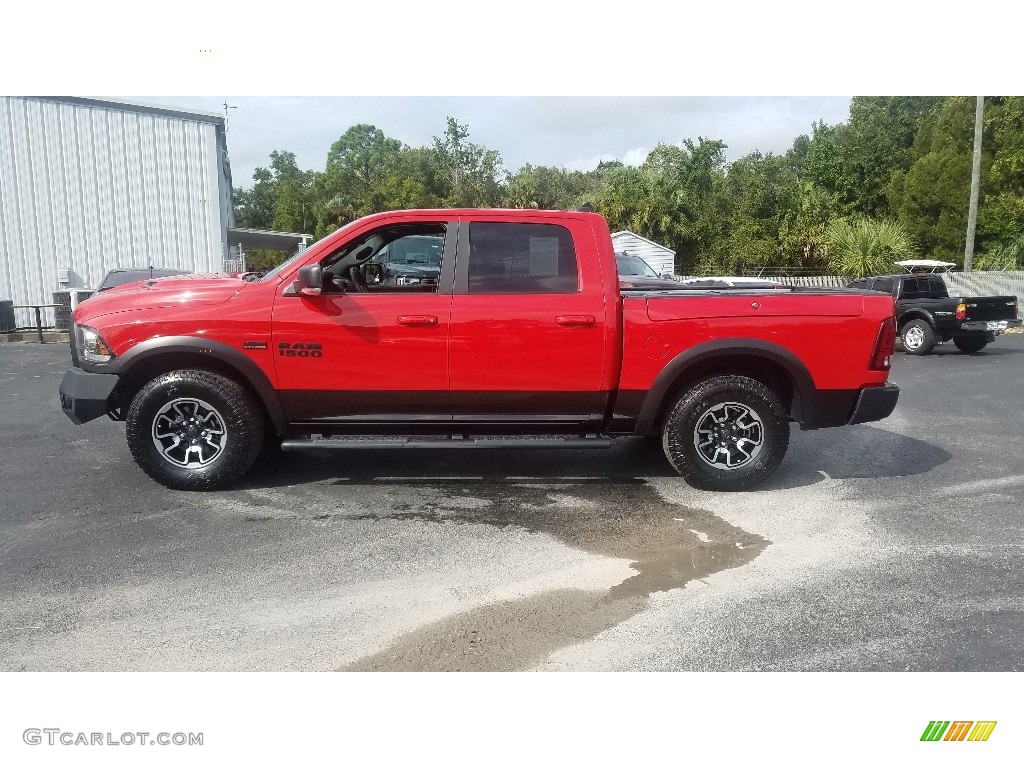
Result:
x=63 y=313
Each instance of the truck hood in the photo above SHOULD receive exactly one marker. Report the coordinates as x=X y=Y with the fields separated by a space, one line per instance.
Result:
x=174 y=291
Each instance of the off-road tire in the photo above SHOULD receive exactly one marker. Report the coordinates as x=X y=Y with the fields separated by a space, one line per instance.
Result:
x=218 y=403
x=750 y=420
x=918 y=337
x=970 y=344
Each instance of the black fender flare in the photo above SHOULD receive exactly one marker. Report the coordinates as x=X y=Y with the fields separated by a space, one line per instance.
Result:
x=753 y=349
x=218 y=350
x=915 y=314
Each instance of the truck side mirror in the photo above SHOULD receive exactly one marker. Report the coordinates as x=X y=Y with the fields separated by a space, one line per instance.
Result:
x=309 y=281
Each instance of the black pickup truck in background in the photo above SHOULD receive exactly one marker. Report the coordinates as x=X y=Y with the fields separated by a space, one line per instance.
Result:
x=927 y=315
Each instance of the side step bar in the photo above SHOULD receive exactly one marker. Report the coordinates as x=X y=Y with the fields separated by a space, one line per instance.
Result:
x=363 y=443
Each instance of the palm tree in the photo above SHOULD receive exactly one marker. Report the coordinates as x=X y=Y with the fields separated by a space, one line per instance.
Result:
x=867 y=246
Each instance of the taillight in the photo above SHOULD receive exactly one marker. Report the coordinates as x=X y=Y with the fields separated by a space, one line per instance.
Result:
x=961 y=311
x=885 y=344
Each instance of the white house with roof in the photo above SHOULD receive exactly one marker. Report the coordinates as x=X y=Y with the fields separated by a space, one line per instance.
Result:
x=661 y=259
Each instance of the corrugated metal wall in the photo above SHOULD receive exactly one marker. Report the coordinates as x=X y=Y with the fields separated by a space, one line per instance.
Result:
x=661 y=259
x=88 y=189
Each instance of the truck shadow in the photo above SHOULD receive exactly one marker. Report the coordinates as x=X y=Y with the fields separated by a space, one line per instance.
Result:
x=851 y=452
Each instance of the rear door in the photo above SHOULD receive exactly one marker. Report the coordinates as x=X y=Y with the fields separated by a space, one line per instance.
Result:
x=529 y=326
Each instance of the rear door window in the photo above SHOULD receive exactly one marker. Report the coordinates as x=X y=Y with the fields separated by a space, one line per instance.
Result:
x=507 y=257
x=910 y=289
x=883 y=284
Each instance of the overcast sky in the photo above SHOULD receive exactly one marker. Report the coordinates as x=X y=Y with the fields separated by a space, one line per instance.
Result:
x=704 y=69
x=574 y=132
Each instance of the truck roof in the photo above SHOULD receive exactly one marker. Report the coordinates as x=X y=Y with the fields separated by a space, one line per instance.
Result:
x=497 y=212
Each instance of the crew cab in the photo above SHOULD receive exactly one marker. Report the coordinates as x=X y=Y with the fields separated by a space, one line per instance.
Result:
x=927 y=315
x=525 y=338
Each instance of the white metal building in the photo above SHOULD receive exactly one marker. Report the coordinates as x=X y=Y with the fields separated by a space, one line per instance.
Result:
x=661 y=259
x=87 y=185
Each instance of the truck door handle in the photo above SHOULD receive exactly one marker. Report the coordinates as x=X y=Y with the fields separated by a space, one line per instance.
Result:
x=575 y=321
x=426 y=320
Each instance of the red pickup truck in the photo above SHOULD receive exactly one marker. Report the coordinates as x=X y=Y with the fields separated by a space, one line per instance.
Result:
x=521 y=336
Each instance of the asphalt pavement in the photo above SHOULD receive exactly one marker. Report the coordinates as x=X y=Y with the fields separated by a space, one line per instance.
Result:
x=890 y=546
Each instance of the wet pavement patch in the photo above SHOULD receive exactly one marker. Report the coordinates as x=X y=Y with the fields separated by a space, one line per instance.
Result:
x=667 y=545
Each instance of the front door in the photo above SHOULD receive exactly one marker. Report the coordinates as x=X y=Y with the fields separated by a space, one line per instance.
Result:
x=373 y=348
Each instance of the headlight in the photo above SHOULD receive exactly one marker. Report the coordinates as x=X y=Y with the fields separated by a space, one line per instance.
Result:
x=91 y=346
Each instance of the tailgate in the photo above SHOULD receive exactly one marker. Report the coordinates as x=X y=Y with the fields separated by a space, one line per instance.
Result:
x=991 y=308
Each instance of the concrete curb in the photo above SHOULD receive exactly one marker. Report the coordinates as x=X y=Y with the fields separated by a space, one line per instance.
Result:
x=49 y=337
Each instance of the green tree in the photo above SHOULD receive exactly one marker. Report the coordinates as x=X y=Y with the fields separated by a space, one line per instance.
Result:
x=360 y=171
x=282 y=198
x=931 y=198
x=471 y=174
x=903 y=157
x=630 y=200
x=670 y=198
x=417 y=183
x=1001 y=213
x=803 y=230
x=292 y=194
x=547 y=188
x=880 y=142
x=689 y=181
x=254 y=208
x=863 y=246
x=827 y=163
x=760 y=195
x=855 y=161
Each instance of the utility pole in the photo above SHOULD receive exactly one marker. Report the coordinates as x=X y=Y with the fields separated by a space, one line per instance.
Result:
x=226 y=108
x=972 y=212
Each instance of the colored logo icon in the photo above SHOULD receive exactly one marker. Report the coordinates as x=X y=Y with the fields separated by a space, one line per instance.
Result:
x=958 y=730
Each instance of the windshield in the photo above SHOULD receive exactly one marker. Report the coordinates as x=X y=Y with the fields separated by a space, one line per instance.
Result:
x=115 y=278
x=633 y=265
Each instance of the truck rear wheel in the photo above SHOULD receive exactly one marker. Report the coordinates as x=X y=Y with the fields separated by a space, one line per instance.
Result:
x=194 y=430
x=918 y=337
x=727 y=433
x=970 y=344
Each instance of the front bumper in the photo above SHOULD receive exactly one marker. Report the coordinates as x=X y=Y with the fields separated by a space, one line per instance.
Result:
x=875 y=403
x=83 y=395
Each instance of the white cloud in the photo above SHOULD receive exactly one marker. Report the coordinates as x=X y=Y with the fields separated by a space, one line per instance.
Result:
x=635 y=157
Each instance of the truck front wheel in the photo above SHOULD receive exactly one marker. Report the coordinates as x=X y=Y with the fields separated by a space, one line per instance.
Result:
x=727 y=433
x=918 y=337
x=194 y=430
